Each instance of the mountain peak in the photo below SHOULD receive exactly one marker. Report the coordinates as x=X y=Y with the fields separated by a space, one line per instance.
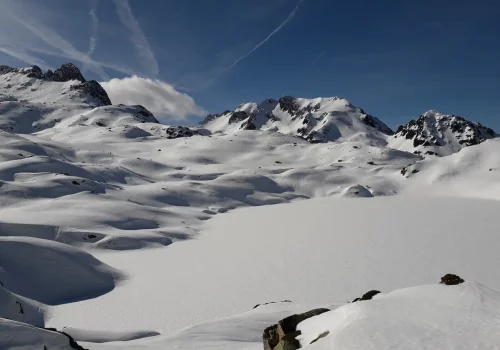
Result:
x=67 y=72
x=319 y=119
x=440 y=134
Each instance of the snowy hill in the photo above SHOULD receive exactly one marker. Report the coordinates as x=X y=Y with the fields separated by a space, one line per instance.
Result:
x=434 y=133
x=32 y=101
x=316 y=120
x=88 y=189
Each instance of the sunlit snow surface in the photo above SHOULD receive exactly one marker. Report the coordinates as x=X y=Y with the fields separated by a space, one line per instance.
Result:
x=91 y=197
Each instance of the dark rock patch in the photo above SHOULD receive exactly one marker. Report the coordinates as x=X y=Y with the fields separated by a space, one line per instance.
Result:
x=289 y=324
x=272 y=302
x=175 y=132
x=322 y=335
x=282 y=336
x=270 y=337
x=451 y=280
x=72 y=343
x=95 y=90
x=238 y=117
x=367 y=296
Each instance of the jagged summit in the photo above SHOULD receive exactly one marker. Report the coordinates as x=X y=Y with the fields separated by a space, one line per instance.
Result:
x=33 y=101
x=66 y=72
x=316 y=120
x=439 y=134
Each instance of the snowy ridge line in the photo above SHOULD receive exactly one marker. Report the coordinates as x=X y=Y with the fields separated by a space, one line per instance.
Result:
x=87 y=186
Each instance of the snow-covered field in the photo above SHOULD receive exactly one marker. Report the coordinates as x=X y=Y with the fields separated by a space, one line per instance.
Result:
x=121 y=236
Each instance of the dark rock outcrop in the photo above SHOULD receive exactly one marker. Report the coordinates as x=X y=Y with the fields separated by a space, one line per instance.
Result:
x=374 y=122
x=67 y=72
x=433 y=129
x=289 y=324
x=451 y=280
x=367 y=296
x=282 y=336
x=72 y=343
x=174 y=132
x=270 y=337
x=272 y=302
x=315 y=120
x=93 y=89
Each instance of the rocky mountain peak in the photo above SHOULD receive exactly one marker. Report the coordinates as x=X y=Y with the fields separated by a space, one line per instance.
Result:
x=66 y=72
x=441 y=134
x=316 y=120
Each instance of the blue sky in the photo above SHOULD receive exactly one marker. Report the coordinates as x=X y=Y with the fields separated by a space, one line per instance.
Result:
x=395 y=59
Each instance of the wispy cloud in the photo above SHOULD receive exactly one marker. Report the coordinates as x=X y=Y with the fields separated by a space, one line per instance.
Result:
x=95 y=27
x=27 y=33
x=94 y=30
x=288 y=19
x=55 y=40
x=138 y=39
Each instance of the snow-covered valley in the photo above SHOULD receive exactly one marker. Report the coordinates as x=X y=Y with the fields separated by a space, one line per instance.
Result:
x=122 y=231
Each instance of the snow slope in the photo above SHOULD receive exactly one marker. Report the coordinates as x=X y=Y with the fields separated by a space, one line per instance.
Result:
x=88 y=189
x=466 y=316
x=423 y=317
x=320 y=251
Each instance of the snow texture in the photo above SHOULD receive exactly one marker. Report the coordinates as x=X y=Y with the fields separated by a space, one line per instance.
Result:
x=91 y=193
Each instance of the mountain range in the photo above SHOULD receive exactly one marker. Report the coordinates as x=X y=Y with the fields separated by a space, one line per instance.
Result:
x=117 y=231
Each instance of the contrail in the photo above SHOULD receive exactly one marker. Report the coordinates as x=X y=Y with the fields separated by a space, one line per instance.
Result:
x=317 y=58
x=288 y=19
x=138 y=38
x=95 y=29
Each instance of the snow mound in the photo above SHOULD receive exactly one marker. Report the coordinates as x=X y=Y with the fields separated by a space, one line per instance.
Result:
x=434 y=133
x=466 y=316
x=316 y=120
x=105 y=336
x=356 y=191
x=63 y=274
x=22 y=336
x=17 y=308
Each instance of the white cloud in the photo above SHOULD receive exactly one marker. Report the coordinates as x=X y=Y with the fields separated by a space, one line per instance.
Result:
x=138 y=39
x=162 y=99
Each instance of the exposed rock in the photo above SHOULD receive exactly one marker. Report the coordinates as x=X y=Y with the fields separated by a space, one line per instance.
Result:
x=175 y=132
x=72 y=343
x=270 y=337
x=238 y=117
x=289 y=324
x=367 y=296
x=282 y=336
x=67 y=72
x=272 y=302
x=451 y=280
x=376 y=123
x=288 y=342
x=309 y=119
x=446 y=133
x=95 y=90
x=288 y=104
x=322 y=335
